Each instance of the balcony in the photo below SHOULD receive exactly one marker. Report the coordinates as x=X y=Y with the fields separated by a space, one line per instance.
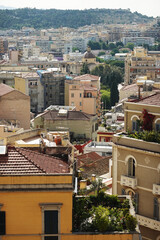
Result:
x=124 y=140
x=156 y=189
x=129 y=181
x=148 y=222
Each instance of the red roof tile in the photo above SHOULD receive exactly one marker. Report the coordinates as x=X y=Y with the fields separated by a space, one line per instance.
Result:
x=21 y=161
x=71 y=115
x=151 y=100
x=92 y=163
x=87 y=77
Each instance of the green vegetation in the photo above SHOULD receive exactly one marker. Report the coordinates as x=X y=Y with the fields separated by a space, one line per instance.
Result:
x=148 y=136
x=105 y=98
x=102 y=213
x=85 y=69
x=53 y=18
x=111 y=76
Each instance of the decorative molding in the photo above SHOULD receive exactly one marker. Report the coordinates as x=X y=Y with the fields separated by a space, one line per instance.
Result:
x=128 y=157
x=135 y=116
x=147 y=160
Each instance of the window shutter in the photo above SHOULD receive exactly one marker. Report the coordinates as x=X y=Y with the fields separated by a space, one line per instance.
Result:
x=136 y=200
x=156 y=209
x=123 y=191
x=133 y=126
x=51 y=224
x=2 y=223
x=158 y=127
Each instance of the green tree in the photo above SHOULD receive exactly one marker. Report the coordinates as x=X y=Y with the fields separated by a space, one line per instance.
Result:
x=114 y=51
x=105 y=98
x=130 y=45
x=84 y=69
x=74 y=49
x=101 y=53
x=111 y=46
x=114 y=97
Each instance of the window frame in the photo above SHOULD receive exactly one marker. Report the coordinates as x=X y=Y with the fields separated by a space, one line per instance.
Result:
x=50 y=207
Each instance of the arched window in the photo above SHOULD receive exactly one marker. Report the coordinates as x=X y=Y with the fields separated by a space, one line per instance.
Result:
x=135 y=126
x=131 y=167
x=134 y=197
x=157 y=125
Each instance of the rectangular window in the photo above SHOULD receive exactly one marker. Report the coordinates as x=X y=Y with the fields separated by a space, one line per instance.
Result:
x=72 y=94
x=2 y=223
x=51 y=224
x=80 y=104
x=51 y=220
x=80 y=95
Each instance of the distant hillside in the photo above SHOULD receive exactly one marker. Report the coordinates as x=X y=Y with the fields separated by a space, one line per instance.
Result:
x=52 y=18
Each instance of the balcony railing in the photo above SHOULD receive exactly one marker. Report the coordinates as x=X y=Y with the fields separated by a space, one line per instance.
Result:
x=148 y=222
x=156 y=189
x=129 y=181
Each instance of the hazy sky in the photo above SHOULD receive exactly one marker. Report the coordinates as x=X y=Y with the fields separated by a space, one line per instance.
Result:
x=149 y=8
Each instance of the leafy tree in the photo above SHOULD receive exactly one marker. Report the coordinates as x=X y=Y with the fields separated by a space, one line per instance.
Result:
x=101 y=53
x=105 y=98
x=130 y=45
x=84 y=69
x=111 y=46
x=119 y=44
x=114 y=51
x=114 y=97
x=74 y=49
x=104 y=46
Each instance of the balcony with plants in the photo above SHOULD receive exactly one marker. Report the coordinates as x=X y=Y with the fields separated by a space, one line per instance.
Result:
x=102 y=213
x=143 y=138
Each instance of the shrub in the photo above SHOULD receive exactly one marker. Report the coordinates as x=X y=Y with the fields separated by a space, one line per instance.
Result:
x=131 y=222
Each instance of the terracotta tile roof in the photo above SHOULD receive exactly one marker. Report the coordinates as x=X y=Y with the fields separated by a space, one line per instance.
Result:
x=132 y=87
x=21 y=161
x=92 y=163
x=87 y=77
x=151 y=100
x=4 y=89
x=71 y=115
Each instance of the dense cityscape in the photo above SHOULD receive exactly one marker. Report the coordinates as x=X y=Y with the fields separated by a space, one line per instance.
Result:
x=79 y=125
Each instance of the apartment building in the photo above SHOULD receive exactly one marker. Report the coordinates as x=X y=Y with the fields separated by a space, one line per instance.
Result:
x=29 y=83
x=138 y=41
x=136 y=163
x=84 y=93
x=140 y=63
x=3 y=47
x=53 y=83
x=29 y=50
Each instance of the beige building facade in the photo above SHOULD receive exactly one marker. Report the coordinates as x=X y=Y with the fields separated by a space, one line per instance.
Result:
x=79 y=124
x=29 y=83
x=14 y=105
x=136 y=166
x=139 y=62
x=84 y=93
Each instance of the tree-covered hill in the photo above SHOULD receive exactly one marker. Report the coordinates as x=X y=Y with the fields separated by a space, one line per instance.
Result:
x=53 y=18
